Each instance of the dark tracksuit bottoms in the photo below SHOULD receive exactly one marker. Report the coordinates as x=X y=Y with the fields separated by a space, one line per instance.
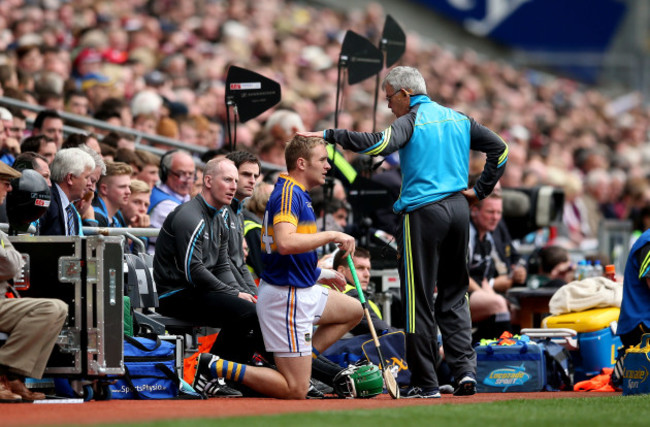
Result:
x=433 y=243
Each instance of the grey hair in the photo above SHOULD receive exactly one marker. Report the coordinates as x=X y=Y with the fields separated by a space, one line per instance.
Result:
x=169 y=159
x=287 y=119
x=70 y=160
x=99 y=160
x=5 y=114
x=406 y=78
x=146 y=102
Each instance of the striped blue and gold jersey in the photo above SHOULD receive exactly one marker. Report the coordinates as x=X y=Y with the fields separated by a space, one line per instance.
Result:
x=289 y=202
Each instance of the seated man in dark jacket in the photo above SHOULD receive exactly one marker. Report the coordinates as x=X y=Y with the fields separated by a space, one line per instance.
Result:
x=192 y=272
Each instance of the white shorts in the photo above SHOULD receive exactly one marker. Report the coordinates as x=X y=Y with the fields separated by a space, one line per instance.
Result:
x=287 y=315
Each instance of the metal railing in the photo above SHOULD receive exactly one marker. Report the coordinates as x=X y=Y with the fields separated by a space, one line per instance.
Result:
x=86 y=121
x=138 y=135
x=131 y=233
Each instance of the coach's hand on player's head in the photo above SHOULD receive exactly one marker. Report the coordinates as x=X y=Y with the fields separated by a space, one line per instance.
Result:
x=345 y=243
x=306 y=134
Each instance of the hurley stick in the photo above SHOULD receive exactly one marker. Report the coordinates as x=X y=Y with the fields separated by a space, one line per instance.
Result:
x=389 y=379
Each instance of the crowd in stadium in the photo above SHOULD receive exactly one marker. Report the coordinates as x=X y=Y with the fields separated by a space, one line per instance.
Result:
x=160 y=66
x=559 y=132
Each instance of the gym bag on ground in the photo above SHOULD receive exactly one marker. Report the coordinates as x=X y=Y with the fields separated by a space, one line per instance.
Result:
x=149 y=370
x=519 y=366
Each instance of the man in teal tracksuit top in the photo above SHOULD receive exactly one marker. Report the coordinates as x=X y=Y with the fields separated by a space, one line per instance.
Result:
x=434 y=145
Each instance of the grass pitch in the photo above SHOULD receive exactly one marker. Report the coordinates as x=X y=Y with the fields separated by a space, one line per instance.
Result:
x=587 y=412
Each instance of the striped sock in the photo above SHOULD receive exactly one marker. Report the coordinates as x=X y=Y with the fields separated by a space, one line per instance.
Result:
x=314 y=353
x=228 y=370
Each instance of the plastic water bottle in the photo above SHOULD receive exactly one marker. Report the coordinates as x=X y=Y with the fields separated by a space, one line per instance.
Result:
x=579 y=271
x=598 y=269
x=589 y=270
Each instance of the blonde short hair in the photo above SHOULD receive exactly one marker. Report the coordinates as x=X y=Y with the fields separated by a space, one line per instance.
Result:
x=137 y=186
x=298 y=147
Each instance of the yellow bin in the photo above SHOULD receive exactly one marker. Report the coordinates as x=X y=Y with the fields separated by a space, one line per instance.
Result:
x=584 y=321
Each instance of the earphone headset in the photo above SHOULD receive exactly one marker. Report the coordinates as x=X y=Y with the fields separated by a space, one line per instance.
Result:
x=163 y=171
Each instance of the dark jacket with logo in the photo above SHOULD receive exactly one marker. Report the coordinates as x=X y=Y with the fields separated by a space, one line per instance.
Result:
x=192 y=251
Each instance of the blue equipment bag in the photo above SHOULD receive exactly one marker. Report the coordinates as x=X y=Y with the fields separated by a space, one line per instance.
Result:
x=559 y=366
x=149 y=370
x=349 y=351
x=514 y=368
x=393 y=348
x=636 y=366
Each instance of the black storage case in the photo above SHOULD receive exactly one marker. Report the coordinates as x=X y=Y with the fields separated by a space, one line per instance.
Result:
x=86 y=273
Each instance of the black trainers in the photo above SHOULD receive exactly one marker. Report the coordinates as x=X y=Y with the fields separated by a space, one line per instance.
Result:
x=219 y=388
x=467 y=385
x=206 y=384
x=446 y=389
x=203 y=376
x=318 y=389
x=422 y=393
x=314 y=393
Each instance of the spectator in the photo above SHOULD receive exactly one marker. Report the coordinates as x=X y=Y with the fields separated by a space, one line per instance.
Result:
x=113 y=191
x=187 y=131
x=508 y=265
x=40 y=144
x=361 y=260
x=78 y=139
x=282 y=125
x=198 y=181
x=29 y=59
x=108 y=152
x=335 y=213
x=248 y=169
x=71 y=170
x=109 y=117
x=272 y=152
x=84 y=205
x=119 y=106
x=76 y=102
x=489 y=309
x=97 y=87
x=253 y=213
x=145 y=123
x=177 y=174
x=50 y=99
x=597 y=188
x=129 y=157
x=135 y=211
x=31 y=160
x=18 y=125
x=552 y=268
x=9 y=146
x=150 y=165
x=50 y=124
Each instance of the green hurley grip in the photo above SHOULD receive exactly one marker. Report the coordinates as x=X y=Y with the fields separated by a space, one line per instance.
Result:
x=356 y=280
